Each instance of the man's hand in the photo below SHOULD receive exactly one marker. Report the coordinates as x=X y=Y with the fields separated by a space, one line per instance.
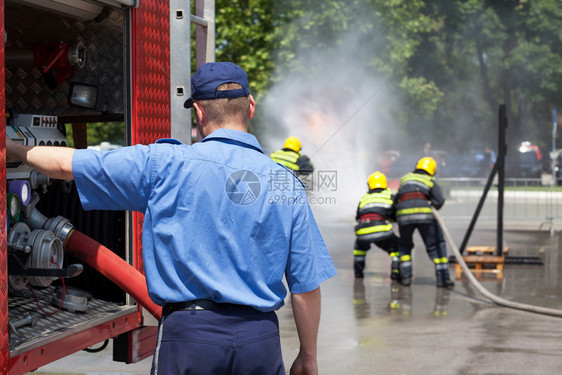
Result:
x=304 y=364
x=306 y=310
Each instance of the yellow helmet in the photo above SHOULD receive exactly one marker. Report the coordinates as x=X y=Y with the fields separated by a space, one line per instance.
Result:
x=292 y=143
x=427 y=164
x=377 y=180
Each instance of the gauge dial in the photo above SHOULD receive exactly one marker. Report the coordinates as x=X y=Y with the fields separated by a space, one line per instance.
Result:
x=25 y=194
x=13 y=206
x=22 y=189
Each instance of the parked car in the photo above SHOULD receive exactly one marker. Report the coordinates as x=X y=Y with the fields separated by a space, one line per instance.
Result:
x=525 y=163
x=401 y=165
x=105 y=146
x=460 y=165
x=448 y=165
x=557 y=168
x=385 y=159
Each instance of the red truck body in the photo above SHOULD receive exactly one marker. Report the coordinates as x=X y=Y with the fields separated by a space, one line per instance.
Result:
x=121 y=49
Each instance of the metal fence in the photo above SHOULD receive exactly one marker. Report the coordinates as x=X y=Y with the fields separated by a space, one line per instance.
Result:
x=524 y=199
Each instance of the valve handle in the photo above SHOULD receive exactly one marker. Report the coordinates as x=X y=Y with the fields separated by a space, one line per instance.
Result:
x=16 y=267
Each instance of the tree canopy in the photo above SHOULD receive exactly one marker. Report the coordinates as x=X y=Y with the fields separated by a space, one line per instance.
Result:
x=448 y=64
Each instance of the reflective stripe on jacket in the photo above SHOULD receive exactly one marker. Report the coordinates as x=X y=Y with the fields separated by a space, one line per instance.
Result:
x=421 y=179
x=373 y=232
x=377 y=203
x=286 y=158
x=413 y=199
x=374 y=204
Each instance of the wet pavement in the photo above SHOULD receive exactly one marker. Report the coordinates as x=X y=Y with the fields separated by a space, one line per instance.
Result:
x=375 y=326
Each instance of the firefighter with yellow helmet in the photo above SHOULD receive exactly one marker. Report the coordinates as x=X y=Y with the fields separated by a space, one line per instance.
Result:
x=417 y=193
x=374 y=214
x=290 y=157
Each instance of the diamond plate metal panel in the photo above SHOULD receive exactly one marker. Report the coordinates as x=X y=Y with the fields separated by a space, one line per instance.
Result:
x=48 y=325
x=26 y=89
x=151 y=85
x=104 y=327
x=4 y=343
x=151 y=71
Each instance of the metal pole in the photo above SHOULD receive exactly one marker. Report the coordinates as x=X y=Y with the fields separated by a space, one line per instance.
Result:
x=180 y=69
x=502 y=151
x=554 y=156
x=478 y=208
x=204 y=31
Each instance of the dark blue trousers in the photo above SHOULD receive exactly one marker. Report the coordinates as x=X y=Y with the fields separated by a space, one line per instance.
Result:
x=435 y=246
x=432 y=237
x=388 y=244
x=206 y=342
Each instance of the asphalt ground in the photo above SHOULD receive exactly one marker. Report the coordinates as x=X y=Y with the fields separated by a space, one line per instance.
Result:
x=375 y=326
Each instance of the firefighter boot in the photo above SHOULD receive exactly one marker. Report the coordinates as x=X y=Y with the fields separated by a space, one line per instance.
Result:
x=359 y=266
x=359 y=262
x=406 y=270
x=442 y=275
x=395 y=266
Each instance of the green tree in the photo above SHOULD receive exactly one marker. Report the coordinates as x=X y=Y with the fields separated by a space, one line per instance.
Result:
x=98 y=132
x=450 y=62
x=246 y=33
x=494 y=52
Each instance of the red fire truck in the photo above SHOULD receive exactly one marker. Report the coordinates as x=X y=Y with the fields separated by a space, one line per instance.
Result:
x=71 y=279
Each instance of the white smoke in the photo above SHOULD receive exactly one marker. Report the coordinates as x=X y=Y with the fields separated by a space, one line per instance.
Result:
x=338 y=108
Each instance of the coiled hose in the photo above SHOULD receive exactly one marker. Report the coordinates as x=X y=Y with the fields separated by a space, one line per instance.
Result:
x=481 y=289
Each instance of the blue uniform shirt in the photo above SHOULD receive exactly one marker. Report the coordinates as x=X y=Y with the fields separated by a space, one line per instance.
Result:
x=222 y=220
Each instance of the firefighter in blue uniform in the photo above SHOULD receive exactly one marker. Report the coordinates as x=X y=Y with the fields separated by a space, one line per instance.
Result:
x=418 y=191
x=374 y=213
x=290 y=157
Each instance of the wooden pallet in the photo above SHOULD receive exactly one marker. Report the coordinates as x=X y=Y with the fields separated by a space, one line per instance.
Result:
x=484 y=250
x=480 y=260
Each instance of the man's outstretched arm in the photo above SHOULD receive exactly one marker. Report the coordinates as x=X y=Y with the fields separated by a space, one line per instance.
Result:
x=306 y=310
x=55 y=162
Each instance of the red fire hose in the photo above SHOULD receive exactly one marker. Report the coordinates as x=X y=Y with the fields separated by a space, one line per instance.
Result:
x=113 y=267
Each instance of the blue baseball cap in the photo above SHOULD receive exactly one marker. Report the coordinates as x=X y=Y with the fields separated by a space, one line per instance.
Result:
x=209 y=76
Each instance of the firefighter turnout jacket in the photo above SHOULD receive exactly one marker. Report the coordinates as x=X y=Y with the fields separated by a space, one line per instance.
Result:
x=373 y=214
x=293 y=160
x=417 y=191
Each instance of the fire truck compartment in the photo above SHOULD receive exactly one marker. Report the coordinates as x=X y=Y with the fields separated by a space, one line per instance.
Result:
x=48 y=52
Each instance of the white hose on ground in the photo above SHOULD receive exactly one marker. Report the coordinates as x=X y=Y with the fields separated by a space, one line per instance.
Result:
x=481 y=289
